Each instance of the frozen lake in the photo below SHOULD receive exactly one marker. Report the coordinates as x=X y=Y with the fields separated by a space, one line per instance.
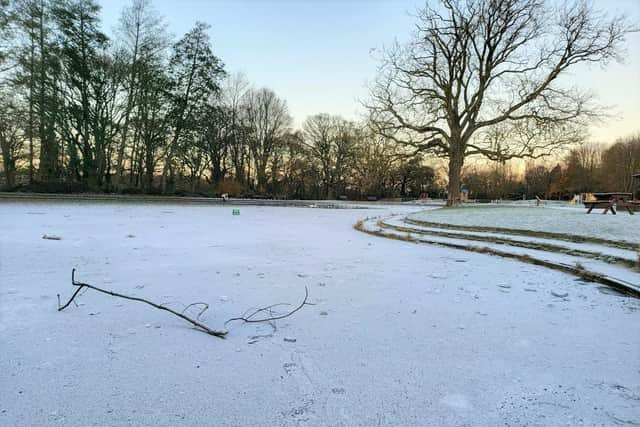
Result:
x=400 y=334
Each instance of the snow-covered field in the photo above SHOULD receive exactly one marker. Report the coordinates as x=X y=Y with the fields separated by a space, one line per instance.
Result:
x=400 y=334
x=572 y=220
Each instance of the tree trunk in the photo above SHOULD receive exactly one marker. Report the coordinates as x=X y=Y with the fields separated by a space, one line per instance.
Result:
x=216 y=174
x=261 y=175
x=238 y=164
x=127 y=113
x=9 y=163
x=149 y=168
x=45 y=166
x=164 y=177
x=32 y=79
x=456 y=161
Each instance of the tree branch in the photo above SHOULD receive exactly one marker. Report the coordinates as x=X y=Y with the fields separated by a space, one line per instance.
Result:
x=195 y=322
x=250 y=318
x=198 y=325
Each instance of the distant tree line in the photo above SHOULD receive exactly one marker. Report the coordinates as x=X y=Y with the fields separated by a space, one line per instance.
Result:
x=140 y=112
x=587 y=168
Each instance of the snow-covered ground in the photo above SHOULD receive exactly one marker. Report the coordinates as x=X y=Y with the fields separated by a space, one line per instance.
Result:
x=554 y=219
x=591 y=257
x=400 y=334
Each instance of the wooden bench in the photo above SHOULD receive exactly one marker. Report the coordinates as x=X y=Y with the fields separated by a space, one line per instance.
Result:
x=611 y=201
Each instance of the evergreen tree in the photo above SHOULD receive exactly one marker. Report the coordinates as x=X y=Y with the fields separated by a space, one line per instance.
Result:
x=81 y=39
x=194 y=76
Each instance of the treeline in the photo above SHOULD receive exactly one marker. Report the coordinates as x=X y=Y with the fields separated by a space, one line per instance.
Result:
x=139 y=112
x=587 y=168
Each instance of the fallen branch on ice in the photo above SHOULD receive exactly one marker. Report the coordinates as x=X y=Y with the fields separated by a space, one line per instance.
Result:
x=246 y=318
x=269 y=309
x=199 y=325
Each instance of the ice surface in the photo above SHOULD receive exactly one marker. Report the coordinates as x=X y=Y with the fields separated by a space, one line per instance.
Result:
x=413 y=334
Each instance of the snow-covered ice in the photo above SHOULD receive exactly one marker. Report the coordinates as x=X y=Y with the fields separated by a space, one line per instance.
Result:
x=400 y=334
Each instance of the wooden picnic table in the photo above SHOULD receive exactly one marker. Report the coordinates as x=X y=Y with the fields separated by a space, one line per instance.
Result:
x=611 y=201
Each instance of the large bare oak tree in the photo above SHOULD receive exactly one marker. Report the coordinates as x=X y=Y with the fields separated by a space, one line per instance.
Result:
x=490 y=78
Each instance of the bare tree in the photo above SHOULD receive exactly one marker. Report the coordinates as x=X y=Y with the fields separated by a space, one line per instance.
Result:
x=12 y=118
x=330 y=141
x=233 y=91
x=267 y=120
x=583 y=168
x=485 y=77
x=375 y=159
x=151 y=119
x=143 y=35
x=620 y=162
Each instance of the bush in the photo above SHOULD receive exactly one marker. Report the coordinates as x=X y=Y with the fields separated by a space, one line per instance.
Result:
x=132 y=190
x=53 y=187
x=231 y=187
x=154 y=191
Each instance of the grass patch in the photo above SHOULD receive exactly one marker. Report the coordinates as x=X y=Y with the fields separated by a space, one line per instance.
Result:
x=582 y=273
x=619 y=244
x=547 y=247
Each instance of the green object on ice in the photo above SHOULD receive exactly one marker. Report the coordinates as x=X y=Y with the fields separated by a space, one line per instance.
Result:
x=236 y=212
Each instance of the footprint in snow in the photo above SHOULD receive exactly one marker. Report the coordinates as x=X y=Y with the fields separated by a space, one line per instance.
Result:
x=301 y=413
x=290 y=367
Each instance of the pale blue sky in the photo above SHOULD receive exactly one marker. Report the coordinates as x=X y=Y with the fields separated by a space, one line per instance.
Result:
x=316 y=54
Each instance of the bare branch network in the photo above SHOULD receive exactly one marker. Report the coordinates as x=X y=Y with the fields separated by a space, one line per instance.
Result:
x=489 y=78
